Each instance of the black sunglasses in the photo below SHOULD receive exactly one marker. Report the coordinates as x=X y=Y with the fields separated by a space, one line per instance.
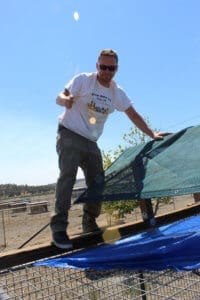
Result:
x=110 y=68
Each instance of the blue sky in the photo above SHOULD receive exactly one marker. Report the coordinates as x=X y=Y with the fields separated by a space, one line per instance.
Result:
x=43 y=46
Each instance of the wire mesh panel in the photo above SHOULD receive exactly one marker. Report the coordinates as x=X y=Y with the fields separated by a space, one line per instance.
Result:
x=29 y=282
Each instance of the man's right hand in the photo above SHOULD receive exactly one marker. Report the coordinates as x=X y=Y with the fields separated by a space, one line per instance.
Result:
x=65 y=100
x=69 y=100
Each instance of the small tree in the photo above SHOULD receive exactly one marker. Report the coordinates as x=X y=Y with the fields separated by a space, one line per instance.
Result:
x=118 y=209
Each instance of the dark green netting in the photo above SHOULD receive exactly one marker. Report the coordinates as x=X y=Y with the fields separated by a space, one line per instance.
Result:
x=169 y=167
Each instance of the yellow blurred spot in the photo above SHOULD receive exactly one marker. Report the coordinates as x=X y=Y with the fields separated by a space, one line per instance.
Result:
x=92 y=120
x=111 y=235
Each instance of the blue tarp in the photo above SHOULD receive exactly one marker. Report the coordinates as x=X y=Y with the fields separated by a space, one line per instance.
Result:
x=175 y=246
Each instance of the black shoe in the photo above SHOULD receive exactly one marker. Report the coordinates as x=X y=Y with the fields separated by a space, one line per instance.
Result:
x=61 y=240
x=89 y=225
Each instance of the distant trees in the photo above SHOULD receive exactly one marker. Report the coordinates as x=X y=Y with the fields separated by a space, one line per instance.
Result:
x=14 y=190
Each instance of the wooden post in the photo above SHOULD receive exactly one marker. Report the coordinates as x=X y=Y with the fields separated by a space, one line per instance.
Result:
x=196 y=197
x=4 y=232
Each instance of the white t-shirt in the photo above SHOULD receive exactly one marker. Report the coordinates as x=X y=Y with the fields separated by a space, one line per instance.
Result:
x=93 y=103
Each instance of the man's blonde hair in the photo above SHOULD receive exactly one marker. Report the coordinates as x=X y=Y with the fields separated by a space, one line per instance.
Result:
x=108 y=52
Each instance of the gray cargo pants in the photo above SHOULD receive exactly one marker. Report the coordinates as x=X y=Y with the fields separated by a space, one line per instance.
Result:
x=74 y=151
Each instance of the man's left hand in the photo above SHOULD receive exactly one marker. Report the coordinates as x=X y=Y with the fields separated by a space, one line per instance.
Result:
x=160 y=135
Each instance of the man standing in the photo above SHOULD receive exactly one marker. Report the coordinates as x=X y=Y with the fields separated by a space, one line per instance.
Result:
x=88 y=99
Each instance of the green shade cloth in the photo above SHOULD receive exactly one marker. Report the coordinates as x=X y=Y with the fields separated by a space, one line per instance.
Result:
x=168 y=167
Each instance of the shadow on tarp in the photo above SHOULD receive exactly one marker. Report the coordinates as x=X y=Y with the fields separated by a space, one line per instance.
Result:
x=174 y=246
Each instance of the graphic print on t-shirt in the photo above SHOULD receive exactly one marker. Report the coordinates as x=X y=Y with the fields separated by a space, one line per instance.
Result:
x=99 y=106
x=99 y=103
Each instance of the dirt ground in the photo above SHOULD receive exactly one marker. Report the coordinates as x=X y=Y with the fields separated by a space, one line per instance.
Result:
x=16 y=228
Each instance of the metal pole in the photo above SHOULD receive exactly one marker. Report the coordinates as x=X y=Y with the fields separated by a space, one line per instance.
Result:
x=142 y=286
x=149 y=220
x=34 y=235
x=147 y=212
